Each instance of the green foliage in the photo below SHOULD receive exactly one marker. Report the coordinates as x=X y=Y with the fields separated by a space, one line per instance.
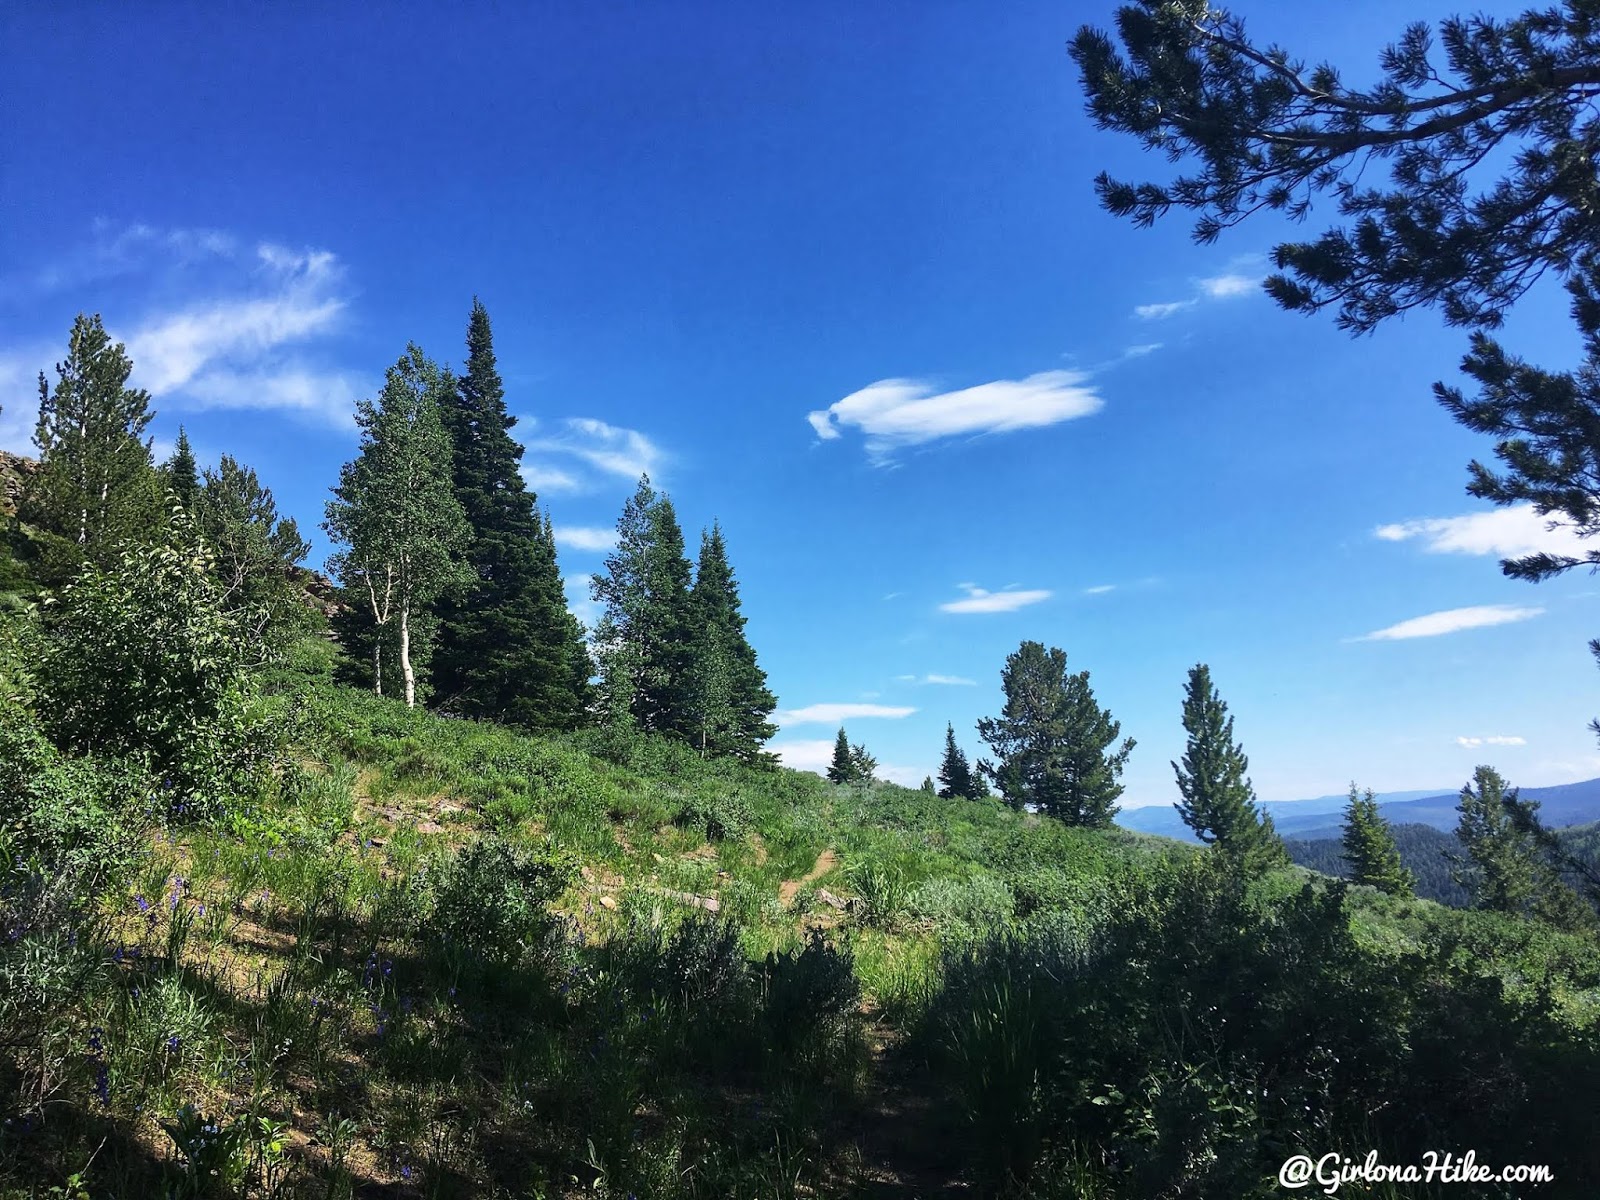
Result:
x=719 y=818
x=1218 y=802
x=955 y=774
x=728 y=698
x=95 y=486
x=1053 y=742
x=508 y=648
x=1267 y=133
x=490 y=899
x=1501 y=865
x=644 y=638
x=396 y=513
x=141 y=660
x=254 y=552
x=180 y=473
x=1370 y=849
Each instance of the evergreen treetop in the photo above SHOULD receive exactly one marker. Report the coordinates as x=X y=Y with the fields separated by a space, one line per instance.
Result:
x=955 y=773
x=183 y=478
x=1370 y=850
x=1219 y=803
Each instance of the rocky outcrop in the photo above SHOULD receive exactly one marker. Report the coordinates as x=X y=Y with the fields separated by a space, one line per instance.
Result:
x=14 y=474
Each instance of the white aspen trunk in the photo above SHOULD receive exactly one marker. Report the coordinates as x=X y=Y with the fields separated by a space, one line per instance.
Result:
x=377 y=660
x=405 y=654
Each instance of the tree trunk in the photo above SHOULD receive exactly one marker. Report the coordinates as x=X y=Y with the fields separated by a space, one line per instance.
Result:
x=405 y=655
x=377 y=659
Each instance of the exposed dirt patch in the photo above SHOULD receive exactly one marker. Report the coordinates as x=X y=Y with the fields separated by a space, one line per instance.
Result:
x=826 y=861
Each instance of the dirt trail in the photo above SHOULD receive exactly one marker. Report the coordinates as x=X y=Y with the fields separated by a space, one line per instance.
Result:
x=907 y=1148
x=826 y=861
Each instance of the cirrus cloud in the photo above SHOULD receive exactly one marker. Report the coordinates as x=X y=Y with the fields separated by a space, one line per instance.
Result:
x=584 y=537
x=1510 y=532
x=896 y=413
x=834 y=714
x=1452 y=621
x=979 y=600
x=1493 y=740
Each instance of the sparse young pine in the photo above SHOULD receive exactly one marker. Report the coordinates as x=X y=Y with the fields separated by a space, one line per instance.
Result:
x=1053 y=744
x=508 y=648
x=728 y=695
x=1501 y=865
x=182 y=476
x=397 y=515
x=842 y=769
x=645 y=636
x=862 y=764
x=927 y=785
x=1218 y=802
x=1370 y=850
x=955 y=774
x=95 y=485
x=254 y=552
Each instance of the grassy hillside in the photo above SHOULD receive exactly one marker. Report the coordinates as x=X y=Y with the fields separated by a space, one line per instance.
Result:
x=439 y=958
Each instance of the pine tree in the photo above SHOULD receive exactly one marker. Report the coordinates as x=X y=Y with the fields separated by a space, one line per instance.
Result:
x=508 y=648
x=396 y=513
x=1502 y=867
x=645 y=636
x=955 y=774
x=1370 y=850
x=927 y=785
x=1053 y=742
x=1218 y=802
x=842 y=769
x=728 y=689
x=95 y=485
x=254 y=552
x=862 y=764
x=182 y=476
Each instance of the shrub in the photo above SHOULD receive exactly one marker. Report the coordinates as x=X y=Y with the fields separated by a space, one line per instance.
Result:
x=722 y=818
x=490 y=901
x=141 y=660
x=807 y=989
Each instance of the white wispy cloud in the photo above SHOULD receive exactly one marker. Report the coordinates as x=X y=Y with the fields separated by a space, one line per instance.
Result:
x=1141 y=350
x=290 y=297
x=1227 y=286
x=19 y=393
x=896 y=413
x=328 y=395
x=1495 y=740
x=1452 y=621
x=1223 y=287
x=1510 y=532
x=980 y=601
x=592 y=446
x=1160 y=312
x=835 y=714
x=549 y=479
x=113 y=250
x=937 y=680
x=1100 y=589
x=584 y=537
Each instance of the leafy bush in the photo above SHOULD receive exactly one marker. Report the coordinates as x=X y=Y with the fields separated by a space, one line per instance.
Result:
x=962 y=907
x=722 y=818
x=807 y=990
x=141 y=660
x=490 y=901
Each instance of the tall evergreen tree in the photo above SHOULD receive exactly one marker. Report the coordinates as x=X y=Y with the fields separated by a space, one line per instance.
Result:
x=1053 y=743
x=728 y=689
x=95 y=485
x=842 y=769
x=508 y=648
x=1501 y=865
x=182 y=476
x=955 y=773
x=1370 y=850
x=396 y=513
x=862 y=764
x=1218 y=802
x=254 y=552
x=644 y=639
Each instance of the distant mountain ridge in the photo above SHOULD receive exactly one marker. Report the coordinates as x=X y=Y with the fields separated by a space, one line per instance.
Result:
x=1321 y=817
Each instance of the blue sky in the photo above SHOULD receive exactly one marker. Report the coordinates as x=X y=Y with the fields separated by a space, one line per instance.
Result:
x=837 y=279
